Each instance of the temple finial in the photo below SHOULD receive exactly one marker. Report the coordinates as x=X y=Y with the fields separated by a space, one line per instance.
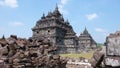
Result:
x=67 y=21
x=56 y=12
x=43 y=16
x=3 y=37
x=62 y=17
x=56 y=7
x=85 y=31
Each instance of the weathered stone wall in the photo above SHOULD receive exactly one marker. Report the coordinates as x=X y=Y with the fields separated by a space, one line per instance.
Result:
x=113 y=47
x=112 y=58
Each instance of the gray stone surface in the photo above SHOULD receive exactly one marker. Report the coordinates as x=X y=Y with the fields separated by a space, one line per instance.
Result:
x=113 y=50
x=112 y=61
x=86 y=41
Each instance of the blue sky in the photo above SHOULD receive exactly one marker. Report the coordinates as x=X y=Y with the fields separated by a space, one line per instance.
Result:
x=100 y=17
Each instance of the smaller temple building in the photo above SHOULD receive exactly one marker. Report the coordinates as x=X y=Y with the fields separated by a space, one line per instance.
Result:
x=86 y=41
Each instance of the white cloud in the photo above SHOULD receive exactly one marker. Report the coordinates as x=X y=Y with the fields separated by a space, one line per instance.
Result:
x=9 y=3
x=78 y=34
x=62 y=10
x=62 y=6
x=100 y=30
x=16 y=24
x=64 y=2
x=91 y=16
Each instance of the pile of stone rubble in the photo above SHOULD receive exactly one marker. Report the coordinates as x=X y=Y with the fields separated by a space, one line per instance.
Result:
x=22 y=53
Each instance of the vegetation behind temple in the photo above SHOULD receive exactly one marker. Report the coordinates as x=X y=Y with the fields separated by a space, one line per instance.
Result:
x=100 y=44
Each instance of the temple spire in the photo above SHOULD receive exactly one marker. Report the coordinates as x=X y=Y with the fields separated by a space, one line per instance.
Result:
x=56 y=11
x=67 y=21
x=3 y=37
x=62 y=17
x=85 y=31
x=49 y=14
x=43 y=16
x=56 y=7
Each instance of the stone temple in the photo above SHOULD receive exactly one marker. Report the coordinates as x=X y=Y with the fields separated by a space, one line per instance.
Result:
x=86 y=40
x=59 y=31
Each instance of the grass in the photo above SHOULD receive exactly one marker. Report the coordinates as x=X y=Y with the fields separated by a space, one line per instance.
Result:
x=99 y=44
x=85 y=55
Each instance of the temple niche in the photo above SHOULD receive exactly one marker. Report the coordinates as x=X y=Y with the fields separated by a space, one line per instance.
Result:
x=59 y=31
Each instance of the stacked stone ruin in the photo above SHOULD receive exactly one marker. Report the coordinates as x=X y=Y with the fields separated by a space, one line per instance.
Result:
x=22 y=53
